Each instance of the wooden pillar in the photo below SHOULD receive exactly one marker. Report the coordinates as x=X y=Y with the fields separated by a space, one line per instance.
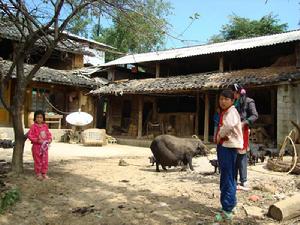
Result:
x=221 y=64
x=217 y=101
x=157 y=70
x=140 y=117
x=111 y=75
x=154 y=110
x=206 y=118
x=297 y=51
x=108 y=111
x=273 y=111
x=197 y=115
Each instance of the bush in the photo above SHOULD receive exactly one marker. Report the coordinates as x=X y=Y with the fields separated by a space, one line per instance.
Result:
x=9 y=198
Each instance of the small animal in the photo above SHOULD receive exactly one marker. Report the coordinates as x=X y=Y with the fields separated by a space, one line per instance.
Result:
x=256 y=152
x=272 y=152
x=169 y=150
x=215 y=163
x=255 y=155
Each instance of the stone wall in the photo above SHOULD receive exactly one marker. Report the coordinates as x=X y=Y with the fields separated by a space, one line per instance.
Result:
x=288 y=108
x=8 y=133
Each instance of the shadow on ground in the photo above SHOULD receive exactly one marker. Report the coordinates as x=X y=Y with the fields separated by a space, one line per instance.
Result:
x=61 y=200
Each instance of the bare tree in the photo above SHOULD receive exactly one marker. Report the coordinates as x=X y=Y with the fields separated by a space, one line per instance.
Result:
x=42 y=23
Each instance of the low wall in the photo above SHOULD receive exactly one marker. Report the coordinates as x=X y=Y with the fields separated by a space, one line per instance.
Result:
x=8 y=133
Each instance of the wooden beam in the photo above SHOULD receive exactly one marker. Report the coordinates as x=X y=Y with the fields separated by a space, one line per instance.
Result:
x=140 y=117
x=206 y=118
x=157 y=70
x=297 y=51
x=221 y=64
x=197 y=115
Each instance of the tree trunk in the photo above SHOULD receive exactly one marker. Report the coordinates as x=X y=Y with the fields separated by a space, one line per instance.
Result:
x=17 y=159
x=17 y=117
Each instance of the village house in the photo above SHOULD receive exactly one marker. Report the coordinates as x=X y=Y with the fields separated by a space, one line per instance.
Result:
x=176 y=91
x=60 y=87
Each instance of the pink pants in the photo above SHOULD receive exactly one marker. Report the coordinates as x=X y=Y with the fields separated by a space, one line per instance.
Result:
x=40 y=160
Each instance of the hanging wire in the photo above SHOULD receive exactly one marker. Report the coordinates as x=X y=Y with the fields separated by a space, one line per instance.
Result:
x=56 y=109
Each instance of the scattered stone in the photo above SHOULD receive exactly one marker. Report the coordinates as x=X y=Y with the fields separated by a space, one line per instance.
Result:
x=121 y=206
x=254 y=198
x=122 y=162
x=279 y=196
x=254 y=211
x=162 y=204
x=124 y=181
x=139 y=215
x=84 y=210
x=265 y=188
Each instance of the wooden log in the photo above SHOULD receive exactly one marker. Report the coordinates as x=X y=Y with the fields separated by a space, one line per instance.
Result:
x=285 y=209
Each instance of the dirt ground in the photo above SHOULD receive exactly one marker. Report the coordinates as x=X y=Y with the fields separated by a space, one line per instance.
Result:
x=134 y=194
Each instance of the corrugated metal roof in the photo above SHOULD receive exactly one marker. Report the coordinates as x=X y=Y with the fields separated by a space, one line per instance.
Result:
x=208 y=49
x=198 y=81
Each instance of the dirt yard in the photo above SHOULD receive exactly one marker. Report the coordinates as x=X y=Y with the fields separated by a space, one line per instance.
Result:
x=88 y=186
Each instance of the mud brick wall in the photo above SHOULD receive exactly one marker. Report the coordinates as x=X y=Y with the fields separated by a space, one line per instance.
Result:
x=288 y=108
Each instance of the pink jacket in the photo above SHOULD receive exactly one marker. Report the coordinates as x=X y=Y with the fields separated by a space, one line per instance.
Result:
x=39 y=133
x=232 y=129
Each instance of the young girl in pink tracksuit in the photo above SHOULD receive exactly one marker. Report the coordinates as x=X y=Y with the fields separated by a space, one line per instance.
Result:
x=40 y=138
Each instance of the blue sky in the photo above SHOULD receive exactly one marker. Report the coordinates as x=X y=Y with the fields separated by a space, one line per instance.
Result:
x=214 y=13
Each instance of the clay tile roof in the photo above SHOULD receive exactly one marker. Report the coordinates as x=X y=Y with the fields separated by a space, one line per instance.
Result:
x=200 y=81
x=71 y=43
x=77 y=78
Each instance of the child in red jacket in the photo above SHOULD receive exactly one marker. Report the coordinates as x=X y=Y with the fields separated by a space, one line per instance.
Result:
x=40 y=138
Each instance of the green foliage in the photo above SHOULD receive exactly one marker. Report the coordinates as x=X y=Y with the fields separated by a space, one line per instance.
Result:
x=240 y=27
x=9 y=198
x=138 y=31
x=78 y=25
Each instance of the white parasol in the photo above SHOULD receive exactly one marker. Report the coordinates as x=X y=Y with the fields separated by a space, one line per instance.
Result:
x=79 y=118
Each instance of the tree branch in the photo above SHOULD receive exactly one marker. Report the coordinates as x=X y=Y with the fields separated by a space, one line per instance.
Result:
x=12 y=17
x=73 y=13
x=41 y=62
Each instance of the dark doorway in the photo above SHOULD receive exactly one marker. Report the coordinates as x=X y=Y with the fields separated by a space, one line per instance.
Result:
x=147 y=114
x=201 y=116
x=101 y=113
x=126 y=111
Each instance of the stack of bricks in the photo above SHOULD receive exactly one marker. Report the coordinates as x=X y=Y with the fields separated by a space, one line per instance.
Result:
x=288 y=107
